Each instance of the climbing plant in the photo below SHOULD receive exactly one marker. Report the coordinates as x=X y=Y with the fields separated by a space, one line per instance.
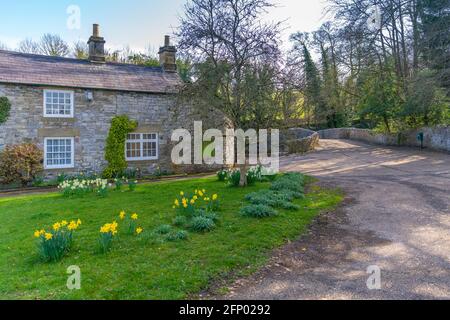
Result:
x=5 y=107
x=121 y=126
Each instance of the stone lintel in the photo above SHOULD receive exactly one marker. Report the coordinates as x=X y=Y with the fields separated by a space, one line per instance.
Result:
x=57 y=132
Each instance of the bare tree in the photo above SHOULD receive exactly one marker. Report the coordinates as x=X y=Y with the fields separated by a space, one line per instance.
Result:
x=80 y=50
x=28 y=46
x=228 y=44
x=53 y=45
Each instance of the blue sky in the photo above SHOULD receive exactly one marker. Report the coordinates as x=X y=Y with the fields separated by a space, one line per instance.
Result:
x=139 y=24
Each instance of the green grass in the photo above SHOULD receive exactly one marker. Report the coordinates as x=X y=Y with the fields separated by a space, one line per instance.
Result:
x=136 y=269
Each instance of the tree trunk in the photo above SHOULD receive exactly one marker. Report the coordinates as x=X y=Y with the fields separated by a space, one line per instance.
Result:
x=243 y=183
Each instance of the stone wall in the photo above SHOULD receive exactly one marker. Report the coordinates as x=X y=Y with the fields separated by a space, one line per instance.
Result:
x=155 y=113
x=298 y=140
x=437 y=138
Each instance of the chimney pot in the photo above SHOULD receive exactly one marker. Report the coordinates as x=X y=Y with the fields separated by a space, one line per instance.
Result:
x=167 y=56
x=96 y=30
x=96 y=46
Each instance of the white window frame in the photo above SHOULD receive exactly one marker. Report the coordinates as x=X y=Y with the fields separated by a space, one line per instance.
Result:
x=141 y=140
x=65 y=166
x=72 y=97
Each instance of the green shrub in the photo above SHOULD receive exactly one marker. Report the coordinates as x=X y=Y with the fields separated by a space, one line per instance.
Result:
x=177 y=236
x=132 y=185
x=292 y=182
x=222 y=175
x=272 y=198
x=254 y=175
x=234 y=178
x=38 y=182
x=208 y=214
x=163 y=229
x=258 y=211
x=180 y=221
x=121 y=126
x=5 y=107
x=202 y=224
x=119 y=183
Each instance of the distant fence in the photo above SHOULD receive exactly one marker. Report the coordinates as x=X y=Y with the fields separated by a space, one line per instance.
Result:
x=298 y=140
x=437 y=138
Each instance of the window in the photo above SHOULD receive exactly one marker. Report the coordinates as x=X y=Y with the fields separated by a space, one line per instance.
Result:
x=59 y=153
x=141 y=146
x=58 y=104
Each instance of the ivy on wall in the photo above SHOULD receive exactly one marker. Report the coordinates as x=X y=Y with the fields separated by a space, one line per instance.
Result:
x=5 y=107
x=121 y=126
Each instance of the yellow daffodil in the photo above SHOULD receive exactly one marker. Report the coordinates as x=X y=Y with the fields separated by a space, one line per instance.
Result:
x=134 y=216
x=122 y=215
x=215 y=197
x=139 y=230
x=185 y=205
x=79 y=222
x=192 y=201
x=64 y=223
x=37 y=234
x=42 y=232
x=182 y=193
x=200 y=193
x=195 y=198
x=196 y=191
x=48 y=236
x=177 y=203
x=57 y=226
x=204 y=190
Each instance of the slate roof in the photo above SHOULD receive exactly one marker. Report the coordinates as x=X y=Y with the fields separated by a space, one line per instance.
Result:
x=31 y=69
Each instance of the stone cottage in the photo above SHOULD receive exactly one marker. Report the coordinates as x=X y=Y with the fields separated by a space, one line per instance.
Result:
x=65 y=106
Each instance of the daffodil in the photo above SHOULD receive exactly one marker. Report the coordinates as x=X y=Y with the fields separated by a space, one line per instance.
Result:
x=134 y=216
x=48 y=236
x=182 y=193
x=177 y=203
x=192 y=201
x=200 y=193
x=195 y=198
x=57 y=226
x=37 y=234
x=122 y=215
x=139 y=230
x=64 y=223
x=215 y=197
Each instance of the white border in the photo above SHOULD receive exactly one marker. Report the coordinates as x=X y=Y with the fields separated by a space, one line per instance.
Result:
x=66 y=166
x=72 y=104
x=142 y=147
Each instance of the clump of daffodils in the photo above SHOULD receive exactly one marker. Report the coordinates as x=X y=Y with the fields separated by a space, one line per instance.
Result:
x=83 y=186
x=131 y=222
x=107 y=234
x=55 y=243
x=187 y=204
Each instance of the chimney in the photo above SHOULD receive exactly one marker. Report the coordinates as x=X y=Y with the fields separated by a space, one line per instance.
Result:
x=167 y=56
x=96 y=46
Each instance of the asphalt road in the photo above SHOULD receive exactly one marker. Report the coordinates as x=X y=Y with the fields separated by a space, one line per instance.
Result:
x=396 y=218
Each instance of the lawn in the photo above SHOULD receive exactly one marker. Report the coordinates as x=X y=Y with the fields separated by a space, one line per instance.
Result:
x=137 y=268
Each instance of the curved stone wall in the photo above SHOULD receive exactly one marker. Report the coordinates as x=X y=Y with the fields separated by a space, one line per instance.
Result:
x=437 y=138
x=298 y=140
